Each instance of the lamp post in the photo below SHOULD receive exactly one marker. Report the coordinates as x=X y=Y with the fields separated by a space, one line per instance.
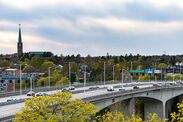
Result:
x=155 y=78
x=113 y=71
x=20 y=79
x=49 y=77
x=84 y=78
x=173 y=74
x=104 y=73
x=180 y=72
x=69 y=73
x=131 y=70
x=31 y=83
x=122 y=75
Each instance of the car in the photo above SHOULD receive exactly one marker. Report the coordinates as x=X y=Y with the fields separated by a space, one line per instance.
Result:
x=94 y=87
x=31 y=93
x=156 y=84
x=135 y=87
x=41 y=94
x=10 y=99
x=66 y=89
x=121 y=88
x=110 y=88
x=173 y=83
x=71 y=88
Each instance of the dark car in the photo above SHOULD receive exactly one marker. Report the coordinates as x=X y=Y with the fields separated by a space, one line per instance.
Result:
x=135 y=87
x=93 y=87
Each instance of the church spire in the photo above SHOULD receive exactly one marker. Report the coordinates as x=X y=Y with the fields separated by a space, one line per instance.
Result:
x=20 y=35
x=20 y=44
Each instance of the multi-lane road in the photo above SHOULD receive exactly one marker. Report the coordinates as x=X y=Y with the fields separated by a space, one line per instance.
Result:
x=11 y=109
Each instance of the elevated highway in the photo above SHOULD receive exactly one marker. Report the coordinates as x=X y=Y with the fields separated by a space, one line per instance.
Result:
x=157 y=98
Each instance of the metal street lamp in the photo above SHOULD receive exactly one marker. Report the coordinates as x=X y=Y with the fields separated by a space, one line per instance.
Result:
x=113 y=71
x=173 y=74
x=131 y=70
x=84 y=78
x=49 y=77
x=104 y=73
x=20 y=79
x=180 y=72
x=122 y=76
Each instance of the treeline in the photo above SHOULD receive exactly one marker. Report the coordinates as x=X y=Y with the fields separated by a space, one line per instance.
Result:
x=59 y=66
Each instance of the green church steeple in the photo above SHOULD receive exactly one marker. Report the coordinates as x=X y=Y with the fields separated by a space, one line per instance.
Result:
x=20 y=44
x=20 y=35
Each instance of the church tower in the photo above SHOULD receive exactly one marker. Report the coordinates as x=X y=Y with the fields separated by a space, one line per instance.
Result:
x=20 y=44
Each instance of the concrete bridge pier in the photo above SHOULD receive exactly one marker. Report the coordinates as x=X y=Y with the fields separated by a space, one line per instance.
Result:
x=132 y=106
x=153 y=106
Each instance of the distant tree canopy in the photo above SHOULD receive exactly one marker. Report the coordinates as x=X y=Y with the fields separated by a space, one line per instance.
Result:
x=95 y=65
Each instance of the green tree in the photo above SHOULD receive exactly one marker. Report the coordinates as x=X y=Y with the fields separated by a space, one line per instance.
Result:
x=36 y=62
x=161 y=65
x=56 y=108
x=43 y=81
x=63 y=81
x=46 y=65
x=4 y=63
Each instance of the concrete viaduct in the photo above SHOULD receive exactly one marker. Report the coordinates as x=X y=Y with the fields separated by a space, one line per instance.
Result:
x=160 y=100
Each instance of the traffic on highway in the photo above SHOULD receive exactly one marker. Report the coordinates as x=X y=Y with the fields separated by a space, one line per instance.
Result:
x=15 y=103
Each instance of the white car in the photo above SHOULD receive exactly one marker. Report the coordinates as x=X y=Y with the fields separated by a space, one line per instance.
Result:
x=121 y=88
x=110 y=88
x=31 y=93
x=11 y=99
x=41 y=94
x=156 y=84
x=71 y=88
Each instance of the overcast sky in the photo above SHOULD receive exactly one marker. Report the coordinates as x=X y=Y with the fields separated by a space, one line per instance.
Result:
x=94 y=27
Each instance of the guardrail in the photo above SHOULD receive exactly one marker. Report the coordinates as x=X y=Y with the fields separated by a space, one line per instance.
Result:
x=94 y=99
x=44 y=89
x=7 y=118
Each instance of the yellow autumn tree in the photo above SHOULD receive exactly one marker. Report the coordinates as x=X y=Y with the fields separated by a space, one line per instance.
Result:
x=178 y=116
x=55 y=108
x=117 y=117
